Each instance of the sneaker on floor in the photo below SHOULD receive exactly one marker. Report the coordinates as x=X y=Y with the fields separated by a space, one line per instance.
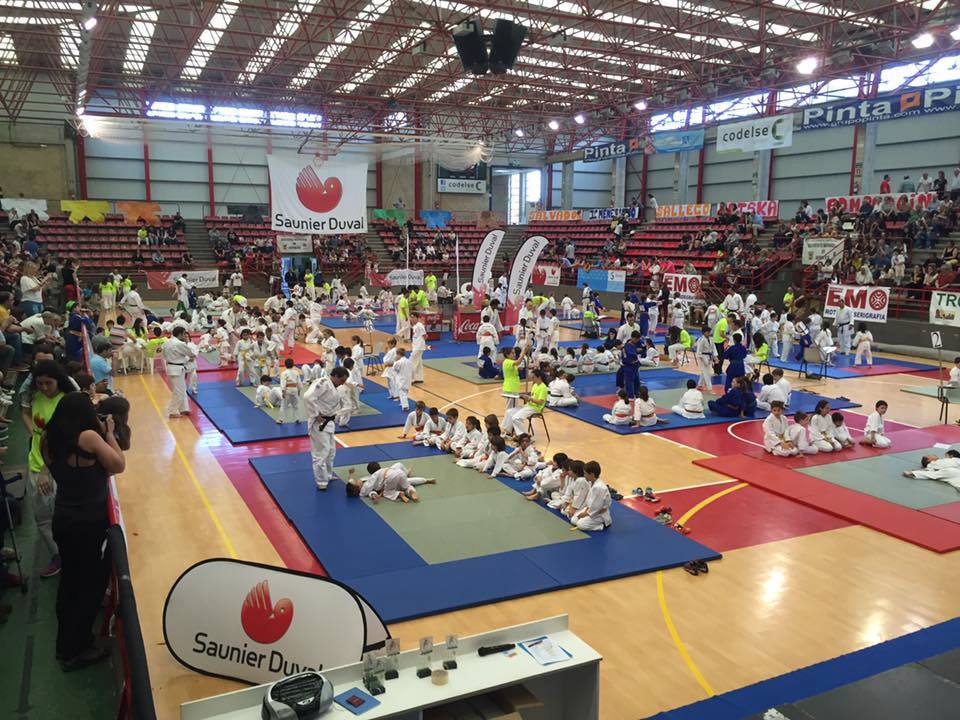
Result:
x=52 y=569
x=87 y=657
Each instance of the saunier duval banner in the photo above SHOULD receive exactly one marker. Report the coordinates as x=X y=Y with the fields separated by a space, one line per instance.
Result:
x=483 y=267
x=909 y=102
x=258 y=623
x=312 y=197
x=520 y=275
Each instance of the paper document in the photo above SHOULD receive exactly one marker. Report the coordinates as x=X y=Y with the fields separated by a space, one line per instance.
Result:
x=545 y=651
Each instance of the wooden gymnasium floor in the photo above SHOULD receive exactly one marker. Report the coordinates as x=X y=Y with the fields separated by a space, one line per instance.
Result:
x=790 y=593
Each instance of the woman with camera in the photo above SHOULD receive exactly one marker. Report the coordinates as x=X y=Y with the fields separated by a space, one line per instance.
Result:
x=82 y=451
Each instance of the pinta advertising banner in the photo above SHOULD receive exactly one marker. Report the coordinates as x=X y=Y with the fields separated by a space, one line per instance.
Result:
x=945 y=308
x=483 y=267
x=904 y=202
x=683 y=287
x=757 y=134
x=670 y=141
x=768 y=209
x=520 y=274
x=258 y=623
x=165 y=279
x=313 y=197
x=602 y=280
x=684 y=211
x=869 y=303
x=906 y=103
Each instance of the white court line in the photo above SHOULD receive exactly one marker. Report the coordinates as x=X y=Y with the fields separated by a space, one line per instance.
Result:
x=674 y=442
x=699 y=485
x=467 y=397
x=732 y=434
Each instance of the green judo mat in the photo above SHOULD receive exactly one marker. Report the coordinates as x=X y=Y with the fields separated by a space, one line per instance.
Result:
x=882 y=477
x=466 y=514
x=251 y=392
x=952 y=394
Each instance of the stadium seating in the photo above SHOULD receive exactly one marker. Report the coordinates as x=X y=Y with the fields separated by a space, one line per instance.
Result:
x=470 y=238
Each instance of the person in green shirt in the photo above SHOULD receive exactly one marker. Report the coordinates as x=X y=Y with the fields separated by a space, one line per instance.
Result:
x=515 y=419
x=47 y=388
x=430 y=282
x=788 y=299
x=421 y=296
x=719 y=340
x=403 y=316
x=511 y=375
x=311 y=288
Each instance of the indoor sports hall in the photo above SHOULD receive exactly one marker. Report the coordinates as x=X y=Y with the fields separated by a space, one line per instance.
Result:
x=471 y=360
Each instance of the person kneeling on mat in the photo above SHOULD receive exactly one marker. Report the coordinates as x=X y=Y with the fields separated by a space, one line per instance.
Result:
x=595 y=514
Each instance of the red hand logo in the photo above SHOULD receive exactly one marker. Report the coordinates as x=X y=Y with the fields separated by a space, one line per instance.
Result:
x=318 y=195
x=262 y=621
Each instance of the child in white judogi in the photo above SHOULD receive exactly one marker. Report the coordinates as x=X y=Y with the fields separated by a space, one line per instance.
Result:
x=801 y=436
x=561 y=392
x=349 y=402
x=645 y=409
x=775 y=432
x=288 y=322
x=569 y=361
x=787 y=335
x=402 y=377
x=873 y=433
x=679 y=315
x=706 y=353
x=621 y=413
x=291 y=383
x=522 y=463
x=651 y=356
x=566 y=307
x=821 y=428
x=553 y=329
x=271 y=353
x=485 y=451
x=267 y=394
x=433 y=429
x=863 y=342
x=770 y=393
x=780 y=381
x=330 y=345
x=389 y=357
x=691 y=403
x=603 y=360
x=585 y=361
x=841 y=433
x=191 y=368
x=575 y=496
x=487 y=336
x=824 y=340
x=393 y=483
x=315 y=319
x=468 y=445
x=246 y=365
x=222 y=337
x=206 y=343
x=454 y=435
x=547 y=480
x=770 y=328
x=595 y=513
x=415 y=420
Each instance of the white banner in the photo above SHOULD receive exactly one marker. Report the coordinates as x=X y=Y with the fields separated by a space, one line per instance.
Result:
x=869 y=303
x=546 y=275
x=757 y=134
x=483 y=267
x=257 y=623
x=461 y=185
x=684 y=211
x=817 y=248
x=610 y=213
x=404 y=277
x=316 y=197
x=162 y=279
x=683 y=287
x=945 y=308
x=23 y=206
x=520 y=274
x=294 y=245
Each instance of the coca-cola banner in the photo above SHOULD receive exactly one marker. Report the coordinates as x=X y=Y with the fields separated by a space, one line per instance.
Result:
x=465 y=324
x=483 y=267
x=520 y=273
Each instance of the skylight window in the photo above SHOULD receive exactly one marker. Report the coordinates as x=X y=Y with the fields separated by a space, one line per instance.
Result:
x=8 y=54
x=395 y=121
x=741 y=107
x=453 y=87
x=370 y=13
x=208 y=41
x=388 y=56
x=413 y=78
x=296 y=119
x=227 y=114
x=269 y=48
x=141 y=35
x=176 y=111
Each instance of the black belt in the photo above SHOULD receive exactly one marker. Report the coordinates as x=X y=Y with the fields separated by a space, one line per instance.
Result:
x=173 y=363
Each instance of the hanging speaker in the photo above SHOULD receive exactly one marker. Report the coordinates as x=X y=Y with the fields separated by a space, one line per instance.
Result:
x=507 y=39
x=468 y=38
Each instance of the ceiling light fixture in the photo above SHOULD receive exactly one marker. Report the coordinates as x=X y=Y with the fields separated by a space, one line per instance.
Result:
x=808 y=65
x=90 y=23
x=553 y=125
x=518 y=132
x=579 y=119
x=640 y=105
x=922 y=41
x=956 y=33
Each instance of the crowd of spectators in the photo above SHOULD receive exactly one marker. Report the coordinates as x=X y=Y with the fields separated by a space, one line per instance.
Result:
x=426 y=245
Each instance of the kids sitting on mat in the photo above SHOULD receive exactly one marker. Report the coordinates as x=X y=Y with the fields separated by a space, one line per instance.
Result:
x=873 y=434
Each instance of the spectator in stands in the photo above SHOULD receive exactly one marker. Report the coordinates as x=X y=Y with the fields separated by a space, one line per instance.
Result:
x=31 y=289
x=955 y=185
x=907 y=185
x=940 y=185
x=81 y=452
x=137 y=257
x=69 y=275
x=885 y=184
x=178 y=223
x=186 y=259
x=925 y=183
x=157 y=256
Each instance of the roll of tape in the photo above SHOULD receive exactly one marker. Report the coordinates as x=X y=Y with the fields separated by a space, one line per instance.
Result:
x=440 y=677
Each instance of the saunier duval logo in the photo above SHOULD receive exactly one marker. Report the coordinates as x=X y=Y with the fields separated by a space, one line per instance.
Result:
x=318 y=195
x=263 y=622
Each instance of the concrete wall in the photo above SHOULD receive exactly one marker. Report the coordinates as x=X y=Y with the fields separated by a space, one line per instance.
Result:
x=37 y=160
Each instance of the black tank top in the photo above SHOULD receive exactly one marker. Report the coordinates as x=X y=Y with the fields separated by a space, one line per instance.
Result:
x=82 y=490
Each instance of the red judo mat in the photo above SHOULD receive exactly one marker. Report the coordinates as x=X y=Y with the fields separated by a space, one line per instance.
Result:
x=934 y=532
x=743 y=518
x=301 y=356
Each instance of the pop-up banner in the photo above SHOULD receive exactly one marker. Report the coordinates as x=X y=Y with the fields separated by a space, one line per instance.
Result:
x=869 y=304
x=520 y=274
x=258 y=623
x=164 y=279
x=683 y=287
x=483 y=267
x=313 y=197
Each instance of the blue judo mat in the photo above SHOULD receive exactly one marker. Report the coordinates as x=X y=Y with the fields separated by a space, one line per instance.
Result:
x=842 y=367
x=240 y=421
x=356 y=546
x=603 y=385
x=386 y=323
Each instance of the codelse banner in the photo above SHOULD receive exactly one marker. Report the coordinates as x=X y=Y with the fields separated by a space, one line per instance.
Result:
x=483 y=267
x=166 y=279
x=313 y=197
x=520 y=274
x=258 y=623
x=869 y=303
x=906 y=103
x=903 y=202
x=945 y=308
x=683 y=287
x=757 y=134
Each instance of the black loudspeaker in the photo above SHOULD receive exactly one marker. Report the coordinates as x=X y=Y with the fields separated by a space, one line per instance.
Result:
x=507 y=39
x=468 y=38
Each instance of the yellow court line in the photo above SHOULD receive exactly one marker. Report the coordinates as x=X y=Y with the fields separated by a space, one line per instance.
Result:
x=662 y=596
x=196 y=483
